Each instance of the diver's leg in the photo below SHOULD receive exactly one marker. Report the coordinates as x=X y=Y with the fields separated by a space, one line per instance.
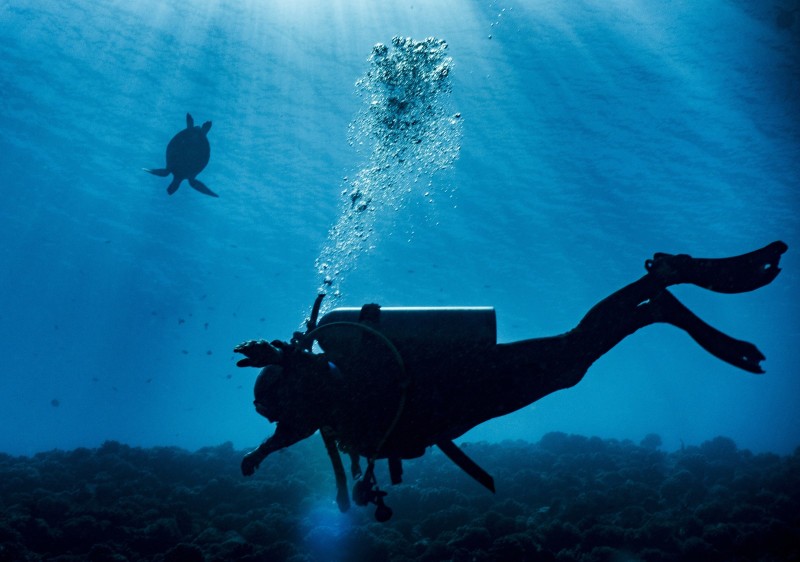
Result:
x=647 y=301
x=342 y=496
x=527 y=370
x=560 y=362
x=566 y=358
x=608 y=323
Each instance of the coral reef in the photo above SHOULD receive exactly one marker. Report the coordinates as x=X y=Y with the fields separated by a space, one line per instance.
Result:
x=564 y=498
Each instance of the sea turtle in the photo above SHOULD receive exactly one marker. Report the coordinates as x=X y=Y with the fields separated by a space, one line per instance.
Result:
x=187 y=154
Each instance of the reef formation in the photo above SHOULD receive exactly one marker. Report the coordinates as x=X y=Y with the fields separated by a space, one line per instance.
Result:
x=565 y=498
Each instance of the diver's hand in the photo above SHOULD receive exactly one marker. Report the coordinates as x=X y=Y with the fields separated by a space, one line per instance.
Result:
x=258 y=353
x=251 y=461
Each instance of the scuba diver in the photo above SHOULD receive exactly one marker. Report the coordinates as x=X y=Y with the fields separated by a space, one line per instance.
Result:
x=390 y=382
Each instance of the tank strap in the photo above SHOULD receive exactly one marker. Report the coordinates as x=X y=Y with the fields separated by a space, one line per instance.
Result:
x=395 y=470
x=466 y=464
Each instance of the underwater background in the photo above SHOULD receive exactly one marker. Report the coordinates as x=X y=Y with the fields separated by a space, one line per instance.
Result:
x=564 y=144
x=591 y=136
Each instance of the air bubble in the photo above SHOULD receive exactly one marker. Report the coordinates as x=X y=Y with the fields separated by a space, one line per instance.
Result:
x=410 y=131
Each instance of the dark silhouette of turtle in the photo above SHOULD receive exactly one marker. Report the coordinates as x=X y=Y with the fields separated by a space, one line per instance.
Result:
x=187 y=154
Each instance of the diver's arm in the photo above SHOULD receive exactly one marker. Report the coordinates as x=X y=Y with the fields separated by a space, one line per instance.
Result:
x=282 y=438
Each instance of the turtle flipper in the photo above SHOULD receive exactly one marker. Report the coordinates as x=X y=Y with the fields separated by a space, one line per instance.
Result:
x=189 y=121
x=738 y=274
x=201 y=187
x=173 y=187
x=163 y=172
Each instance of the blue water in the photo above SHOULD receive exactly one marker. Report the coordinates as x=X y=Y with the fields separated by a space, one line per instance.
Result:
x=592 y=134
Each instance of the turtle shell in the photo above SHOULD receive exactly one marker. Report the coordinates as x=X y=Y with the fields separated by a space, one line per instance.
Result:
x=188 y=152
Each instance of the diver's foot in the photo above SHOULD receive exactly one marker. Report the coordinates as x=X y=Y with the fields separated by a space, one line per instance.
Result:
x=666 y=308
x=738 y=274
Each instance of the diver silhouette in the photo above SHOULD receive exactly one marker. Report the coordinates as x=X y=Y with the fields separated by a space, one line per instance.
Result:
x=391 y=382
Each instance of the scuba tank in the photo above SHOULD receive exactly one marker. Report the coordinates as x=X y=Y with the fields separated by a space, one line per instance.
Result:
x=379 y=351
x=414 y=330
x=373 y=348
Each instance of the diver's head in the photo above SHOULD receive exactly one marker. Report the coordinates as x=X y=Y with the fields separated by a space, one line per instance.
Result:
x=294 y=393
x=267 y=392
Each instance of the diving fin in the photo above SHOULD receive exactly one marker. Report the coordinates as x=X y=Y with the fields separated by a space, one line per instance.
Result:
x=738 y=353
x=737 y=274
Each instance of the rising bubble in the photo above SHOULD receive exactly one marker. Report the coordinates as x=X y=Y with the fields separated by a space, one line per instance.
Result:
x=408 y=131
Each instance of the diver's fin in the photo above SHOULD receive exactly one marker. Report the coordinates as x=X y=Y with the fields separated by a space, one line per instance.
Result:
x=466 y=464
x=163 y=172
x=738 y=353
x=201 y=187
x=173 y=187
x=738 y=274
